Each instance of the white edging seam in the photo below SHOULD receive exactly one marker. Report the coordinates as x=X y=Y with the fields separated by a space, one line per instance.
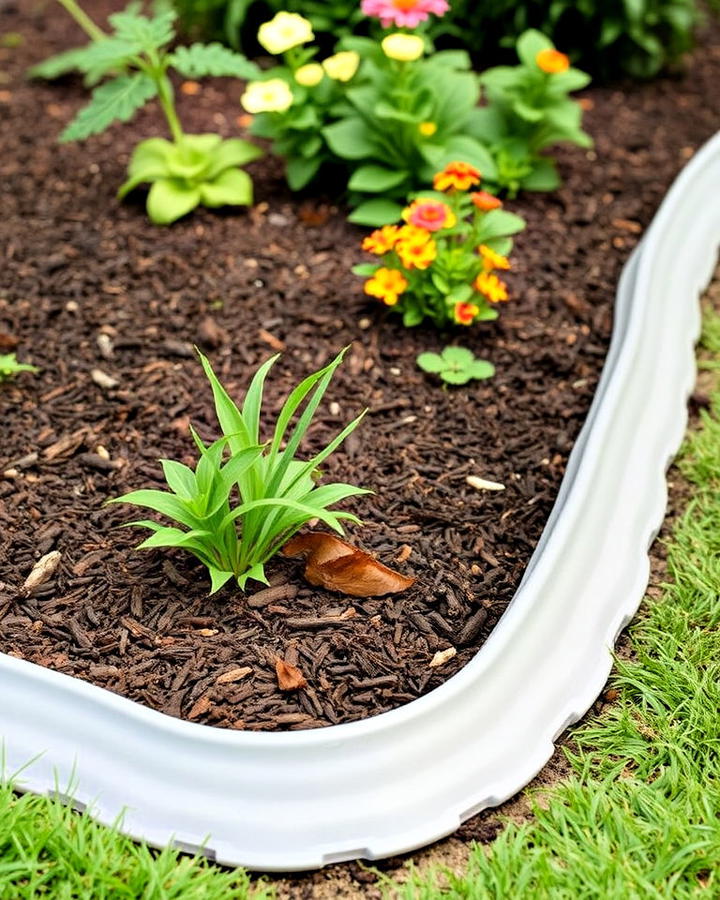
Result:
x=392 y=783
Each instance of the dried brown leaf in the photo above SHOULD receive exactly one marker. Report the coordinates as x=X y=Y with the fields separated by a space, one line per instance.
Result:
x=338 y=566
x=289 y=677
x=42 y=571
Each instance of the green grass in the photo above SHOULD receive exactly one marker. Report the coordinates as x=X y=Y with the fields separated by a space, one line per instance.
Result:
x=640 y=817
x=49 y=851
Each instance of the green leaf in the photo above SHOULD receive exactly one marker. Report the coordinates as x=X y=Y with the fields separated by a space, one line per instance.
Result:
x=544 y=177
x=376 y=212
x=349 y=139
x=218 y=579
x=172 y=537
x=499 y=223
x=481 y=369
x=229 y=416
x=231 y=188
x=300 y=172
x=116 y=100
x=60 y=64
x=465 y=148
x=148 y=162
x=459 y=357
x=199 y=60
x=374 y=179
x=256 y=573
x=529 y=44
x=149 y=33
x=180 y=478
x=231 y=153
x=253 y=399
x=170 y=199
x=455 y=377
x=431 y=362
x=365 y=270
x=160 y=501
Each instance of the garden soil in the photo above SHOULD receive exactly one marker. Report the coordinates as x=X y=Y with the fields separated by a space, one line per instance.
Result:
x=110 y=308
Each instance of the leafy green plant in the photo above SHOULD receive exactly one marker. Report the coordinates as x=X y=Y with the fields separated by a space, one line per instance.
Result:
x=239 y=480
x=456 y=365
x=440 y=264
x=190 y=170
x=10 y=367
x=528 y=110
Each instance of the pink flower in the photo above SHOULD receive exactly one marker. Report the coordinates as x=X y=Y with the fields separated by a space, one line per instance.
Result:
x=430 y=215
x=404 y=13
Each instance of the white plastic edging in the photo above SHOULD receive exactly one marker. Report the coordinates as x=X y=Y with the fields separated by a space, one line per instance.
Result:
x=385 y=785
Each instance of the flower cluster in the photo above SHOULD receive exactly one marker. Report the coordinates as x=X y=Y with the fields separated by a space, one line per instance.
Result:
x=441 y=262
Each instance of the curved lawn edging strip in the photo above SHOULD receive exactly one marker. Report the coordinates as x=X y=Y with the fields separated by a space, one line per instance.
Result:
x=374 y=788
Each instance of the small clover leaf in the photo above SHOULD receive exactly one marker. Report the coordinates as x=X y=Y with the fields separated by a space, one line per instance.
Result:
x=456 y=365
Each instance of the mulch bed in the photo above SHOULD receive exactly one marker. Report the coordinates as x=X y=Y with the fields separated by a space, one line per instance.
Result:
x=87 y=284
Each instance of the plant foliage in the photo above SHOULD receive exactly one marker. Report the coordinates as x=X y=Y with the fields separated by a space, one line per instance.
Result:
x=456 y=365
x=240 y=481
x=9 y=366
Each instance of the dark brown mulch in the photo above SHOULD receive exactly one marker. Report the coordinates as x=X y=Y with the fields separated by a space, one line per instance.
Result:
x=76 y=267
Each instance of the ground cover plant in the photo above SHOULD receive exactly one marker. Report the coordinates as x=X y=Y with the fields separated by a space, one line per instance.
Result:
x=131 y=64
x=277 y=493
x=10 y=367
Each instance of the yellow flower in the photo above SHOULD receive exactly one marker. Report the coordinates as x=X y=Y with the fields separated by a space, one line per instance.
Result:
x=427 y=129
x=416 y=254
x=284 y=31
x=552 y=61
x=342 y=66
x=309 y=75
x=491 y=287
x=457 y=176
x=491 y=259
x=386 y=285
x=273 y=95
x=403 y=47
x=382 y=240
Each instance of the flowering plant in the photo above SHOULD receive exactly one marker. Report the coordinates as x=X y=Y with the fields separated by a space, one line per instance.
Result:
x=293 y=102
x=190 y=170
x=528 y=110
x=441 y=263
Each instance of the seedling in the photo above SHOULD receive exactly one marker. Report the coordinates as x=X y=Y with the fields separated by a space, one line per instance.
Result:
x=9 y=367
x=191 y=169
x=240 y=480
x=456 y=365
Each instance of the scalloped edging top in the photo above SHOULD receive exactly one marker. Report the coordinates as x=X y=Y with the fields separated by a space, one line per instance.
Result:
x=392 y=783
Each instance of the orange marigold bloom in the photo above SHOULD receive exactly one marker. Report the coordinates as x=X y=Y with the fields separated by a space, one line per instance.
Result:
x=416 y=254
x=464 y=313
x=552 y=61
x=492 y=260
x=456 y=175
x=491 y=287
x=382 y=240
x=484 y=201
x=429 y=214
x=386 y=285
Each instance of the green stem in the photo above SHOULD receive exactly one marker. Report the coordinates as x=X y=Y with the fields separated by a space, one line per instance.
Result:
x=167 y=102
x=83 y=20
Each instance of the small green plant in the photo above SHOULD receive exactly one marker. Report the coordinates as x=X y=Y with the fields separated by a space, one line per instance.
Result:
x=189 y=170
x=456 y=365
x=10 y=367
x=528 y=110
x=440 y=265
x=238 y=479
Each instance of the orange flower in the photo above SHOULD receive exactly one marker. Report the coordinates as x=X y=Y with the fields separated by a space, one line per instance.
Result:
x=491 y=287
x=382 y=240
x=429 y=214
x=416 y=254
x=484 y=201
x=552 y=61
x=464 y=313
x=456 y=175
x=386 y=285
x=491 y=259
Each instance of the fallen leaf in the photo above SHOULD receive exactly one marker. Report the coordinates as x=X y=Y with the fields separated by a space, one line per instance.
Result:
x=8 y=342
x=290 y=678
x=338 y=566
x=313 y=215
x=42 y=571
x=441 y=657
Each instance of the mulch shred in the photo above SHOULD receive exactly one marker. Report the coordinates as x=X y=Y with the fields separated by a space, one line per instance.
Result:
x=110 y=307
